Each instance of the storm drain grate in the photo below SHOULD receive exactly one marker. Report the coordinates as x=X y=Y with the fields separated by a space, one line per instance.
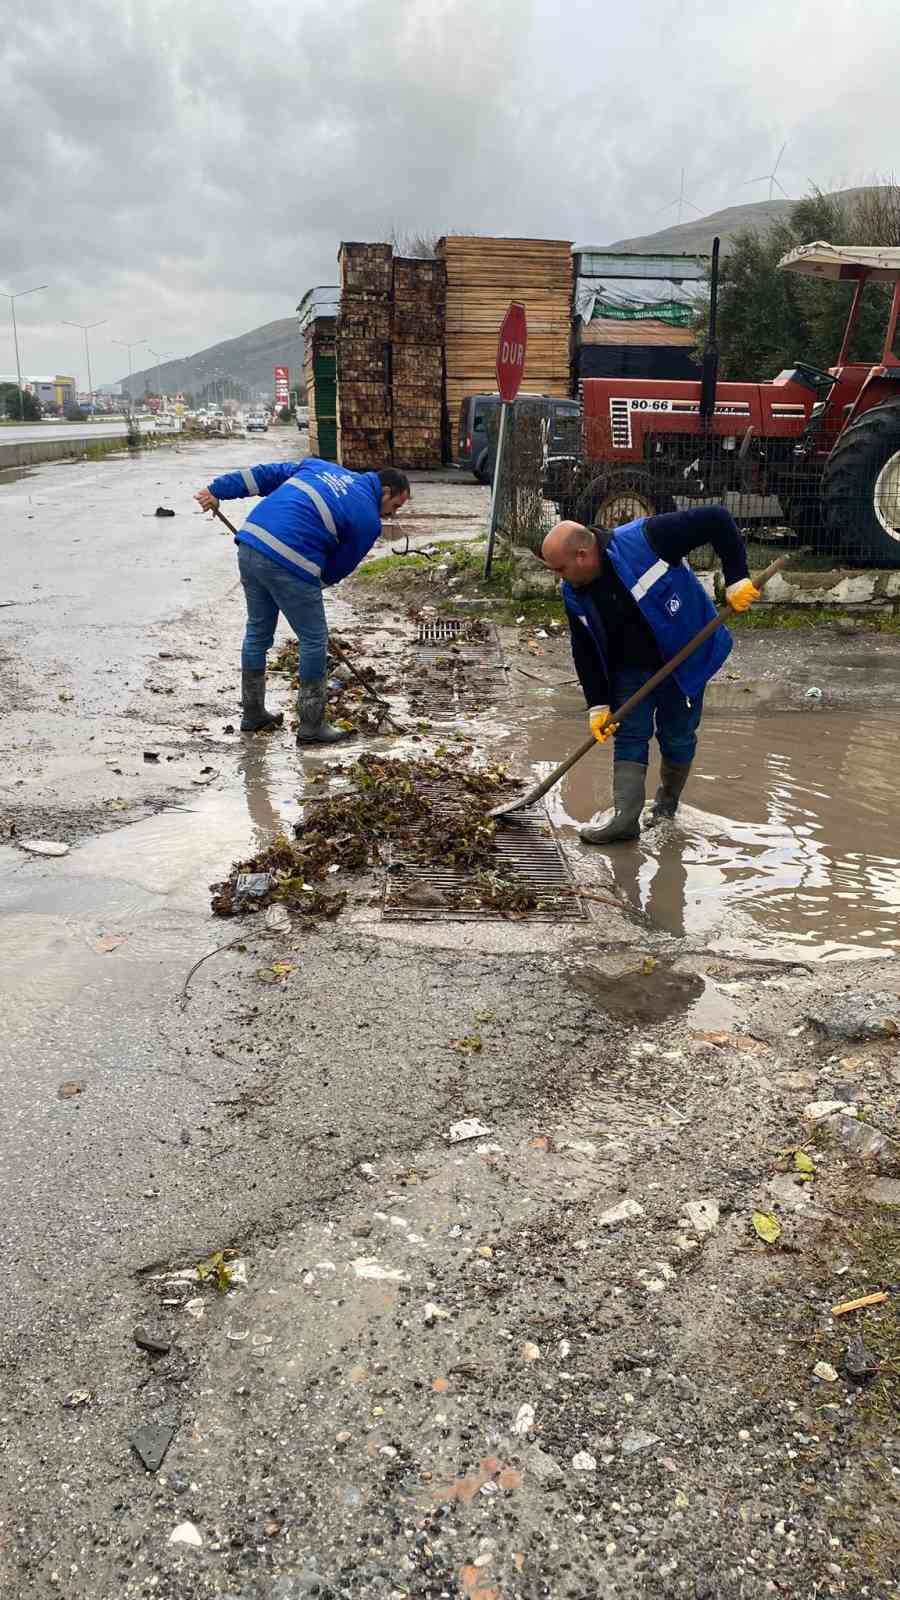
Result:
x=441 y=629
x=527 y=852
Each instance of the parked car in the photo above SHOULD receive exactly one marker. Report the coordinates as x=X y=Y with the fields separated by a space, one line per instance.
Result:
x=257 y=422
x=478 y=422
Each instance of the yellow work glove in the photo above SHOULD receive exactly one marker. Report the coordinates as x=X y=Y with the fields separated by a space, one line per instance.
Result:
x=601 y=726
x=741 y=595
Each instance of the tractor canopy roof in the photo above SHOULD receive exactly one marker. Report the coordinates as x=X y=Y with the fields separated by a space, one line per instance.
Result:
x=845 y=263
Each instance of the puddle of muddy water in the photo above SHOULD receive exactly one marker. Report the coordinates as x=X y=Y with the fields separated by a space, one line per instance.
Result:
x=787 y=843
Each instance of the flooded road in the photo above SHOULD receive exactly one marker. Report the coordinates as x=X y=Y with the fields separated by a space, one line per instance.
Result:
x=787 y=841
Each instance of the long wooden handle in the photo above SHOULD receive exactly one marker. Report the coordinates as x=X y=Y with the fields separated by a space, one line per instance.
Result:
x=222 y=518
x=540 y=789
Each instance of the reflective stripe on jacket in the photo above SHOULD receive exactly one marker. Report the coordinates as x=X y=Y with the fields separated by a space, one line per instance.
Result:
x=315 y=518
x=670 y=598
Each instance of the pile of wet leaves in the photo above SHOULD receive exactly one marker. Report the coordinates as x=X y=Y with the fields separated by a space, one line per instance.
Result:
x=432 y=810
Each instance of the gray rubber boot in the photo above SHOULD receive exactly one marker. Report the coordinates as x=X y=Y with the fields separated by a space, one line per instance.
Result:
x=313 y=729
x=673 y=778
x=256 y=718
x=629 y=786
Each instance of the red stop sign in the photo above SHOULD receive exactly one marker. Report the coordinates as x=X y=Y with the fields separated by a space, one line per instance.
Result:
x=511 y=347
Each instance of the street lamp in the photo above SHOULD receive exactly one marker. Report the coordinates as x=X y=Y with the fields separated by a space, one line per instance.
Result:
x=12 y=298
x=129 y=347
x=165 y=356
x=86 y=328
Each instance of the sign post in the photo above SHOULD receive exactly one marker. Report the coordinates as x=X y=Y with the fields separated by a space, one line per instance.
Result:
x=282 y=388
x=511 y=346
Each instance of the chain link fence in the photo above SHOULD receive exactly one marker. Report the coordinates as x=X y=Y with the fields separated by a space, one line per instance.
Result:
x=828 y=494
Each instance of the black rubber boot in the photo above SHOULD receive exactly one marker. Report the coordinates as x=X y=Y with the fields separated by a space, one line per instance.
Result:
x=629 y=786
x=312 y=728
x=256 y=718
x=673 y=778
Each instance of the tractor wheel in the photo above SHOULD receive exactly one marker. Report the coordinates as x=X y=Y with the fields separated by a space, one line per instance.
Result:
x=621 y=495
x=861 y=489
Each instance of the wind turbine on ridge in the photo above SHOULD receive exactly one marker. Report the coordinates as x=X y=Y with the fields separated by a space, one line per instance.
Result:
x=681 y=201
x=772 y=177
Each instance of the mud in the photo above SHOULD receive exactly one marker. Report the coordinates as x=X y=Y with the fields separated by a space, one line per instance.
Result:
x=554 y=1360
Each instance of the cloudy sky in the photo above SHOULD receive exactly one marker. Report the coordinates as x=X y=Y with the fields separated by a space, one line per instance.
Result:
x=185 y=171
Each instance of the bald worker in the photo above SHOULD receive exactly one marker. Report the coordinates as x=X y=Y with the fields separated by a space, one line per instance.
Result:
x=632 y=602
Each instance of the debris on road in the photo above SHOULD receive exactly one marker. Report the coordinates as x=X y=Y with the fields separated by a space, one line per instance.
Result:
x=78 y=1398
x=467 y=1128
x=186 y=1533
x=626 y=1211
x=151 y=1441
x=825 y=1372
x=862 y=1304
x=436 y=811
x=584 y=1462
x=43 y=847
x=766 y=1227
x=69 y=1089
x=156 y=1344
x=859 y=1362
x=163 y=511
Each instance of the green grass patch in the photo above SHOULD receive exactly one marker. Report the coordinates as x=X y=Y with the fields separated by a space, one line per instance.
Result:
x=802 y=619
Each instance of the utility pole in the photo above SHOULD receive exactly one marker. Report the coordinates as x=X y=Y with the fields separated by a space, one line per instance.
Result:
x=86 y=328
x=12 y=298
x=129 y=347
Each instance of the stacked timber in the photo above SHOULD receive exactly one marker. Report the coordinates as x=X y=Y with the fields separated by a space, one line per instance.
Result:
x=417 y=361
x=483 y=276
x=363 y=355
x=317 y=314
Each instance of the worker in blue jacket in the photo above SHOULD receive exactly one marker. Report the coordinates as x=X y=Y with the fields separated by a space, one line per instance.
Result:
x=314 y=522
x=632 y=603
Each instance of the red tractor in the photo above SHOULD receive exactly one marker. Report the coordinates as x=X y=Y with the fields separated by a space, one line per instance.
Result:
x=825 y=444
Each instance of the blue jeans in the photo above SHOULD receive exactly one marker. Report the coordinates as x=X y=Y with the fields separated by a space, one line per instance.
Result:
x=268 y=589
x=666 y=712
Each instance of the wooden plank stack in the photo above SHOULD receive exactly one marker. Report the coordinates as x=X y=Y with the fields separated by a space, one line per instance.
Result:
x=483 y=275
x=363 y=356
x=417 y=361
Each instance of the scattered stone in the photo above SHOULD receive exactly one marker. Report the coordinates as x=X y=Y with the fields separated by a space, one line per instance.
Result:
x=703 y=1215
x=77 y=1399
x=884 y=1192
x=531 y=1352
x=361 y=1230
x=818 y=1109
x=541 y=1466
x=859 y=1362
x=485 y=1252
x=584 y=1462
x=858 y=1016
x=151 y=756
x=151 y=1441
x=370 y=1267
x=186 y=1533
x=343 y=1437
x=196 y=1308
x=859 y=1137
x=69 y=1089
x=638 y=1440
x=156 y=1344
x=43 y=847
x=524 y=1420
x=625 y=1211
x=435 y=1314
x=825 y=1371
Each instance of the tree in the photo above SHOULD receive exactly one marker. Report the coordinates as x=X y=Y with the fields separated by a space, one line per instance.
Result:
x=285 y=414
x=769 y=319
x=16 y=403
x=75 y=414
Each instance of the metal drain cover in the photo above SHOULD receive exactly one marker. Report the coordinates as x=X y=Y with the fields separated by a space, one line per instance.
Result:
x=439 y=629
x=528 y=853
